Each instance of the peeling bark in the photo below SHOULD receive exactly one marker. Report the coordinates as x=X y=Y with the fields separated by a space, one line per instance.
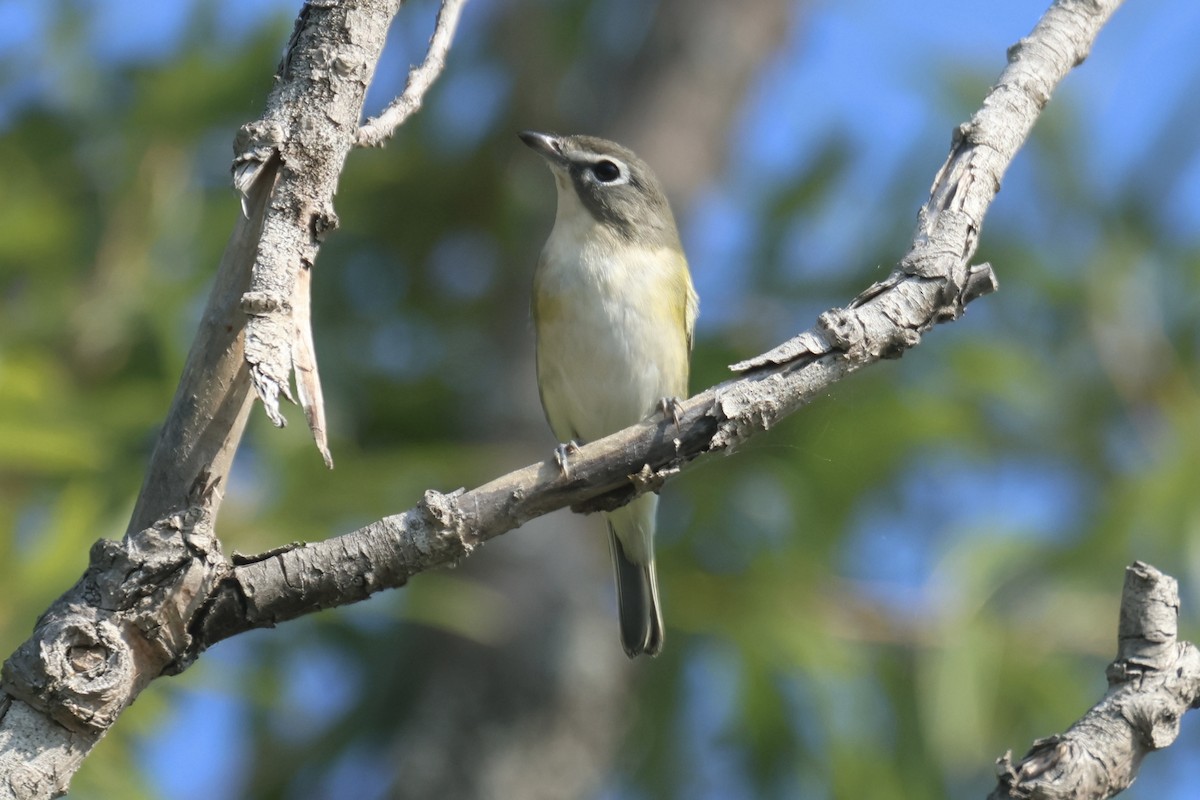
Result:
x=309 y=127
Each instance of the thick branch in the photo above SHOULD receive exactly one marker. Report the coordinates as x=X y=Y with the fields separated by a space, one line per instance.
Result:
x=1153 y=682
x=80 y=646
x=124 y=623
x=381 y=128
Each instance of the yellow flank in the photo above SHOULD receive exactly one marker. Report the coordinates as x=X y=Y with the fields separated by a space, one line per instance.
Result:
x=547 y=308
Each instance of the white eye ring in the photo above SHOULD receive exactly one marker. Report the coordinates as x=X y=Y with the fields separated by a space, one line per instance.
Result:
x=609 y=172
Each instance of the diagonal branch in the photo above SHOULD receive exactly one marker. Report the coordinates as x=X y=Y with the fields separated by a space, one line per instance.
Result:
x=213 y=399
x=1153 y=682
x=264 y=590
x=949 y=223
x=375 y=131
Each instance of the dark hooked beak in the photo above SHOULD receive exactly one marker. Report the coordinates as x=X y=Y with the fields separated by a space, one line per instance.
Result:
x=547 y=145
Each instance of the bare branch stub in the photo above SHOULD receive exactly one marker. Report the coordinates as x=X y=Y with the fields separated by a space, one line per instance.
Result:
x=1153 y=682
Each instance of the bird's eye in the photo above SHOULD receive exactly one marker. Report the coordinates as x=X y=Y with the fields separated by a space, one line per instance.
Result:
x=606 y=171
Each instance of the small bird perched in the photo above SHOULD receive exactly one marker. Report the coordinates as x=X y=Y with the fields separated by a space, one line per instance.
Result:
x=613 y=309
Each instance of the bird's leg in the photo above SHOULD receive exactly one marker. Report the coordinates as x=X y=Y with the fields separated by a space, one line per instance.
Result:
x=670 y=407
x=562 y=454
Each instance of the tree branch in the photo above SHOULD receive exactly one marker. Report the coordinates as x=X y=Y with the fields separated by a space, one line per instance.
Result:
x=1153 y=682
x=213 y=399
x=381 y=128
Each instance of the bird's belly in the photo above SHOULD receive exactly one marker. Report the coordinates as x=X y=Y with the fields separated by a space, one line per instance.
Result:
x=603 y=366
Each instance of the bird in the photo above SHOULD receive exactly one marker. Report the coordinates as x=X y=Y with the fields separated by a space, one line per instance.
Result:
x=614 y=311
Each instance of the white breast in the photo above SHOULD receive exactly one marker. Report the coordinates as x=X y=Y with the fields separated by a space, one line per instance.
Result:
x=607 y=353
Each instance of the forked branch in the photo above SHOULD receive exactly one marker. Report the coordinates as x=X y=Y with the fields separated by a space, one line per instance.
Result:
x=378 y=129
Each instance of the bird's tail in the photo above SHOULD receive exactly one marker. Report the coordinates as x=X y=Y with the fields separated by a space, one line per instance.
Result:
x=631 y=532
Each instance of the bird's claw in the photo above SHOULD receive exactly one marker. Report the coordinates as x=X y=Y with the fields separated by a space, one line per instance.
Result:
x=562 y=455
x=670 y=407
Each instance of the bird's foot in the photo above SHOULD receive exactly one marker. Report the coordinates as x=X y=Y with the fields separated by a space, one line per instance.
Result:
x=562 y=454
x=670 y=408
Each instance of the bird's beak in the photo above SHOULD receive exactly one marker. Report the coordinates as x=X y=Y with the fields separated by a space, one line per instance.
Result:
x=547 y=145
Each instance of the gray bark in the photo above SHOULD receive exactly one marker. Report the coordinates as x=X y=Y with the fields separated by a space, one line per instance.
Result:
x=1153 y=682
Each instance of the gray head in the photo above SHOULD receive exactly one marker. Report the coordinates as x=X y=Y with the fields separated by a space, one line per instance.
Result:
x=615 y=186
